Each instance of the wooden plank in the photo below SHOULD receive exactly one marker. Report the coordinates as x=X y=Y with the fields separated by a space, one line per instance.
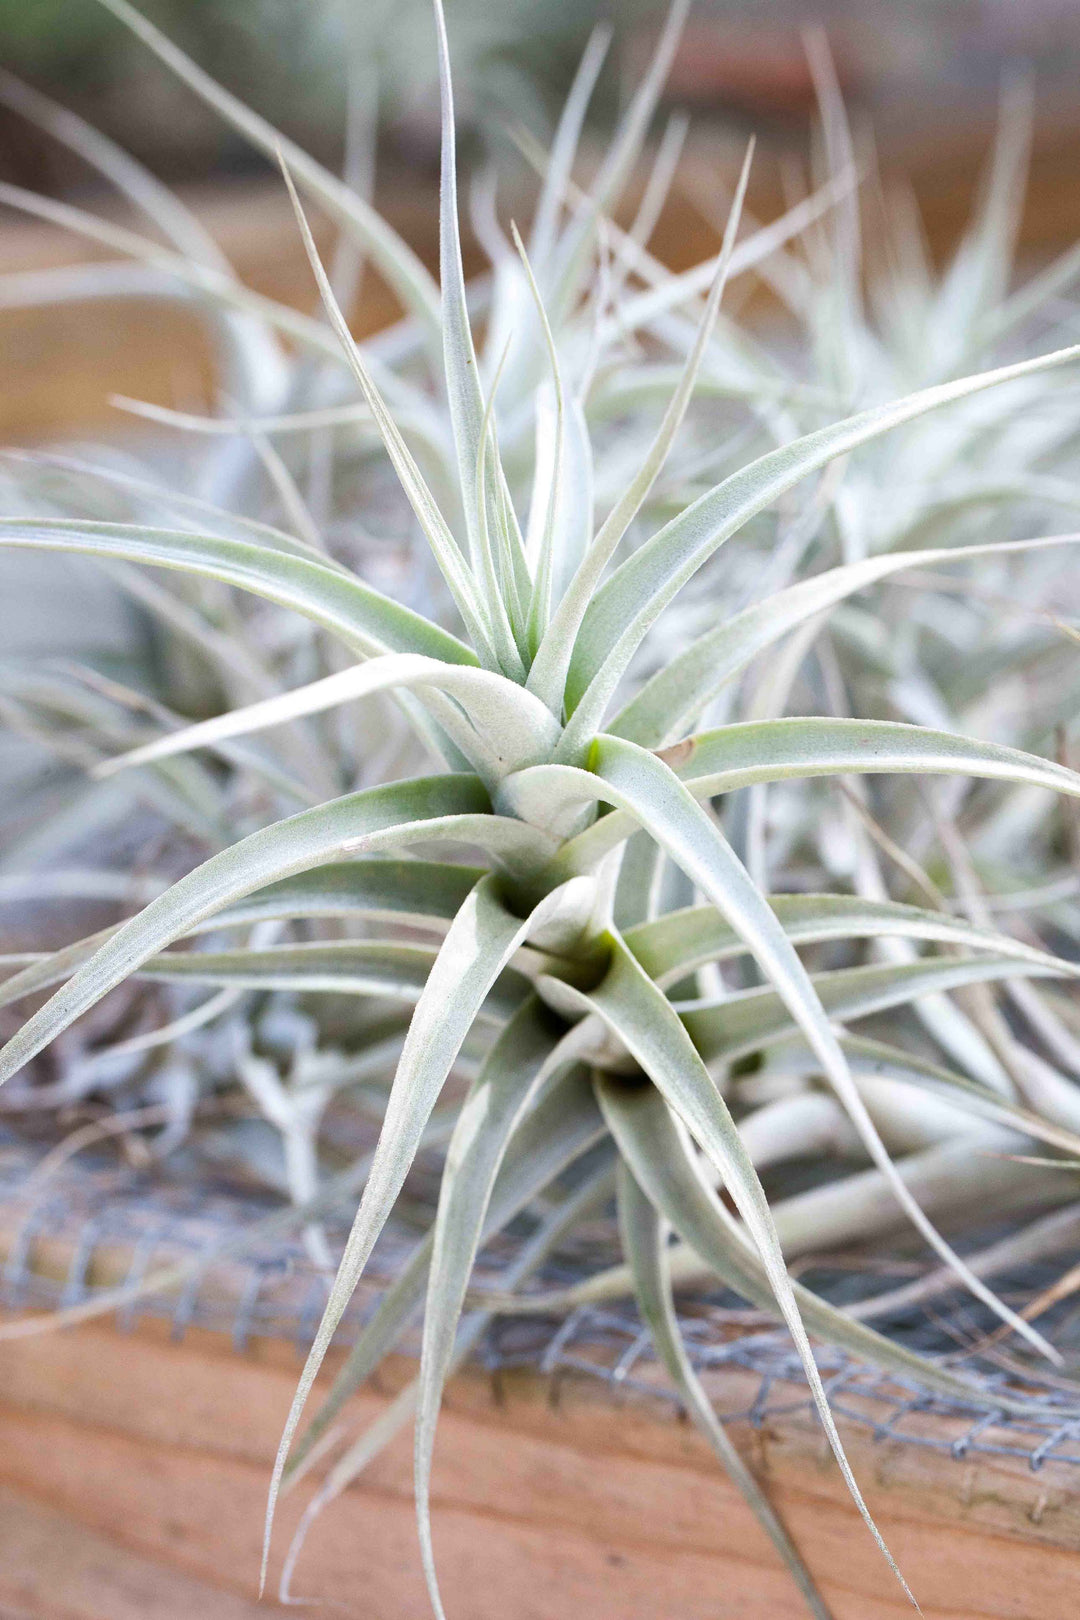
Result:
x=63 y=363
x=541 y=1510
x=52 y=1568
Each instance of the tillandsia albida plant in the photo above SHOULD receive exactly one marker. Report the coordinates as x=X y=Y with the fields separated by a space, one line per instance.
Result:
x=556 y=933
x=226 y=648
x=288 y=418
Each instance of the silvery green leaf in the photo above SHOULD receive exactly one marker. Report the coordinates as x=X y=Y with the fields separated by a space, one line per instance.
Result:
x=478 y=945
x=739 y=755
x=507 y=728
x=639 y=1014
x=36 y=469
x=547 y=677
x=526 y=1056
x=416 y=891
x=50 y=967
x=750 y=1019
x=644 y=1241
x=695 y=842
x=638 y=889
x=677 y=693
x=671 y=946
x=769 y=750
x=455 y=570
x=375 y=967
x=367 y=819
x=409 y=891
x=563 y=1125
x=548 y=503
x=464 y=397
x=871 y=1060
x=657 y=1149
x=549 y=1231
x=361 y=617
x=626 y=607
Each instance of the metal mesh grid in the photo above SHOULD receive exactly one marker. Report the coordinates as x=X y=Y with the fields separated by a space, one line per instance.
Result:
x=89 y=1228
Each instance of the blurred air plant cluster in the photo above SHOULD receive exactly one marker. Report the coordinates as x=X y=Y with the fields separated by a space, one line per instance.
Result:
x=470 y=785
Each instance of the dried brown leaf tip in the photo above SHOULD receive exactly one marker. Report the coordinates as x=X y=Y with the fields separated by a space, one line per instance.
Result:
x=679 y=754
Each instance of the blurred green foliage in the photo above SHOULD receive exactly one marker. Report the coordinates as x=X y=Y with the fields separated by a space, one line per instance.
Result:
x=62 y=37
x=290 y=58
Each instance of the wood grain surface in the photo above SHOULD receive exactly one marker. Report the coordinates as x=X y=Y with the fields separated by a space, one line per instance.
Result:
x=133 y=1475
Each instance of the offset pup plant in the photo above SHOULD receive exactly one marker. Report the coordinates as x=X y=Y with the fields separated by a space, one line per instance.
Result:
x=567 y=793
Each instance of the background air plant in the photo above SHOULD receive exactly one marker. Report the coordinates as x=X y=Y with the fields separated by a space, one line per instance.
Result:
x=579 y=935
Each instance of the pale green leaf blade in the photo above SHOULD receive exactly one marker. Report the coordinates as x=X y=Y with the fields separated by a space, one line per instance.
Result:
x=752 y=1019
x=444 y=547
x=547 y=677
x=871 y=1060
x=361 y=617
x=550 y=1230
x=696 y=843
x=38 y=468
x=50 y=967
x=547 y=502
x=520 y=1061
x=640 y=1016
x=464 y=395
x=801 y=748
x=389 y=890
x=375 y=967
x=644 y=1242
x=670 y=699
x=563 y=1125
x=770 y=750
x=671 y=946
x=656 y=1147
x=303 y=841
x=512 y=727
x=478 y=945
x=626 y=607
x=638 y=890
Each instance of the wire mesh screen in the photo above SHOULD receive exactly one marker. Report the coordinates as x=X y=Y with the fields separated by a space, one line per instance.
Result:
x=88 y=1228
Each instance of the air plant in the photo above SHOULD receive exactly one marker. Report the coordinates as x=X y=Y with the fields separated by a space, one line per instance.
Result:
x=572 y=777
x=264 y=463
